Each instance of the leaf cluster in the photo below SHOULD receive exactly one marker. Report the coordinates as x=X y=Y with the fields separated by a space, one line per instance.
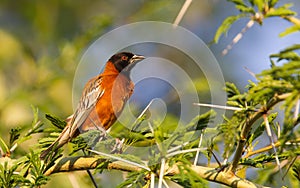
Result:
x=258 y=11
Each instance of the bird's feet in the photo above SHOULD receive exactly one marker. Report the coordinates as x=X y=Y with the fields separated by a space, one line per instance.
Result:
x=117 y=149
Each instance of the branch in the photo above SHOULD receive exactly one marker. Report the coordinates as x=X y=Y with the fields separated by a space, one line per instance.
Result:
x=247 y=127
x=269 y=147
x=69 y=164
x=211 y=174
x=215 y=175
x=292 y=19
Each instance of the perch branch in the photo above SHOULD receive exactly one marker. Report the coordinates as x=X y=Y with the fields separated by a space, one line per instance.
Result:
x=84 y=163
x=211 y=174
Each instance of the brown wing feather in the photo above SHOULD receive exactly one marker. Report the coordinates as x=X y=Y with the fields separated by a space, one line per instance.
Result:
x=91 y=94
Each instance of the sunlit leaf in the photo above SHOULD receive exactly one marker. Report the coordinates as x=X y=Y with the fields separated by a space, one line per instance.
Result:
x=245 y=9
x=272 y=3
x=280 y=11
x=238 y=2
x=225 y=26
x=290 y=30
x=260 y=4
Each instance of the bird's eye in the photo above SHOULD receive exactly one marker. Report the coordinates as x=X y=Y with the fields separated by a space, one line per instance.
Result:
x=124 y=58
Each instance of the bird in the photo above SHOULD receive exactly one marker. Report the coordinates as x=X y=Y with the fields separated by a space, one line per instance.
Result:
x=103 y=99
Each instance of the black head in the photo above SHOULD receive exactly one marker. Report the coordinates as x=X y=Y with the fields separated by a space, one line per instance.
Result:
x=125 y=61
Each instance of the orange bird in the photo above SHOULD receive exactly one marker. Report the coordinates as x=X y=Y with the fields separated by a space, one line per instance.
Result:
x=102 y=100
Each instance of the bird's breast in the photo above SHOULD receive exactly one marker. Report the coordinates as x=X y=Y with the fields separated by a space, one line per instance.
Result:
x=117 y=91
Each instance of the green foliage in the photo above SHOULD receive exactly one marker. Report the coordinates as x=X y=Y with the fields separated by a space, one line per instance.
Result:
x=134 y=179
x=162 y=148
x=258 y=10
x=290 y=30
x=296 y=170
x=36 y=169
x=14 y=135
x=56 y=121
x=261 y=128
x=260 y=160
x=281 y=11
x=8 y=177
x=225 y=26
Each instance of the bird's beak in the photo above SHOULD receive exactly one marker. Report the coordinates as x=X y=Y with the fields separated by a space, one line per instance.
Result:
x=136 y=58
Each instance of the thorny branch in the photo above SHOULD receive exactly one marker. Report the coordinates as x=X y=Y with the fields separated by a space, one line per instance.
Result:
x=247 y=127
x=211 y=174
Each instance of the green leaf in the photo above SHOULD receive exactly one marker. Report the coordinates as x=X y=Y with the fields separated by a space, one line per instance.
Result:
x=134 y=180
x=260 y=4
x=280 y=11
x=289 y=30
x=3 y=147
x=251 y=2
x=14 y=135
x=234 y=103
x=245 y=9
x=291 y=48
x=272 y=3
x=296 y=170
x=231 y=89
x=201 y=121
x=225 y=26
x=238 y=2
x=289 y=55
x=56 y=121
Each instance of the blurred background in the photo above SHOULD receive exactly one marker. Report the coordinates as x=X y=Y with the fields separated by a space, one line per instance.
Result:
x=41 y=44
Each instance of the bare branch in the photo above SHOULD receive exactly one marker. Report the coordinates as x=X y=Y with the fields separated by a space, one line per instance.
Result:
x=181 y=13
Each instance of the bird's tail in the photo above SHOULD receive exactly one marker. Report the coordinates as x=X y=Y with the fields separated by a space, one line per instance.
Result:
x=48 y=150
x=63 y=138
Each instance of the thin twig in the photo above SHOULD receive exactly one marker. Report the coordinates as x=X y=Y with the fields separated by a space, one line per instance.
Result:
x=296 y=112
x=158 y=145
x=165 y=183
x=181 y=13
x=269 y=133
x=177 y=147
x=278 y=130
x=12 y=149
x=161 y=173
x=238 y=37
x=185 y=151
x=152 y=180
x=269 y=147
x=289 y=167
x=219 y=106
x=120 y=159
x=136 y=124
x=199 y=145
x=73 y=180
x=250 y=72
x=292 y=19
x=216 y=158
x=90 y=174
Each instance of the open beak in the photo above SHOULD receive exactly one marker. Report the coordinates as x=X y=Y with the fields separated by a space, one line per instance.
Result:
x=136 y=58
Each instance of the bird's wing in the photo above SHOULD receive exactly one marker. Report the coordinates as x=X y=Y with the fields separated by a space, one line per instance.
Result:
x=92 y=92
